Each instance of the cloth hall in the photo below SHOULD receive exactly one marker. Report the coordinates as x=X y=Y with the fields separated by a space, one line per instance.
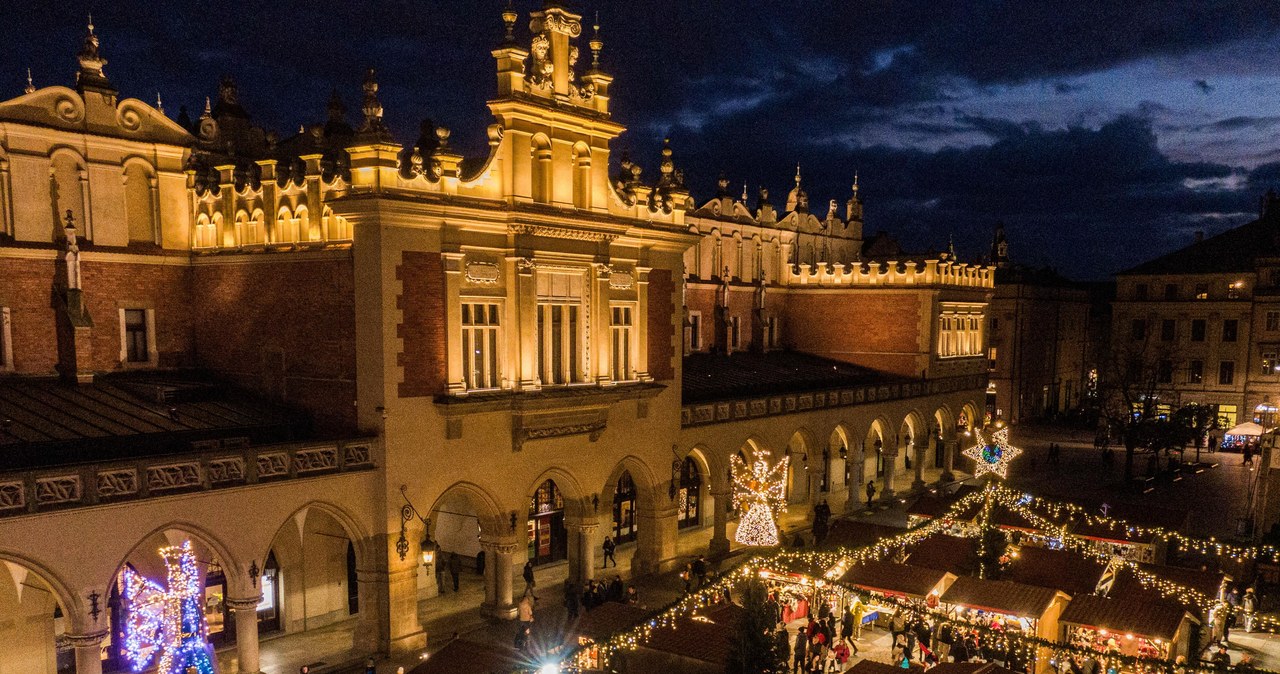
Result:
x=318 y=356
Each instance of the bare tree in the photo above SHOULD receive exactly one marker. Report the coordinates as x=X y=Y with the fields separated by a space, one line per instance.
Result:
x=1130 y=397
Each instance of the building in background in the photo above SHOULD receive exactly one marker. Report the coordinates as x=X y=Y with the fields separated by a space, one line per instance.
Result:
x=1039 y=349
x=318 y=356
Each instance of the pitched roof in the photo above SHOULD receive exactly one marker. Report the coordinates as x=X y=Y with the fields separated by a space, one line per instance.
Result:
x=462 y=655
x=873 y=667
x=853 y=534
x=609 y=619
x=1149 y=619
x=699 y=639
x=934 y=505
x=1129 y=586
x=710 y=377
x=1068 y=571
x=1231 y=251
x=969 y=668
x=887 y=577
x=1000 y=596
x=945 y=553
x=44 y=422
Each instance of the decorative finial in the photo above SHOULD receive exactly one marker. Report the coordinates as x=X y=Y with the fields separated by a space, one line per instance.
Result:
x=208 y=108
x=31 y=87
x=373 y=129
x=159 y=103
x=509 y=17
x=91 y=23
x=596 y=44
x=797 y=174
x=744 y=191
x=855 y=183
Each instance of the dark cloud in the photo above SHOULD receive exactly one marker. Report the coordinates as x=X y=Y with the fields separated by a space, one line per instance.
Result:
x=1203 y=86
x=755 y=88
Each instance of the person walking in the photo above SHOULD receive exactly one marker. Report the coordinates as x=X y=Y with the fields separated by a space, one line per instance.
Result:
x=1249 y=605
x=1248 y=454
x=700 y=570
x=608 y=551
x=441 y=569
x=529 y=582
x=455 y=568
x=871 y=492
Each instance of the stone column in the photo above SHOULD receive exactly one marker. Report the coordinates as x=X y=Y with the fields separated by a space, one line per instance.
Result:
x=949 y=451
x=585 y=540
x=88 y=655
x=857 y=483
x=655 y=536
x=246 y=617
x=499 y=602
x=720 y=522
x=890 y=470
x=917 y=454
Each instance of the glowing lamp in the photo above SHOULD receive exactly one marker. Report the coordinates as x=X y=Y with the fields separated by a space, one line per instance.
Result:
x=428 y=551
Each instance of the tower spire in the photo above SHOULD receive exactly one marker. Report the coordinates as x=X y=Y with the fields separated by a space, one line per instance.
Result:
x=374 y=129
x=31 y=87
x=159 y=103
x=596 y=44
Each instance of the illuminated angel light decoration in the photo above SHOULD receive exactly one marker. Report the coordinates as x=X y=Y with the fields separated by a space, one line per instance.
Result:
x=760 y=493
x=170 y=622
x=993 y=452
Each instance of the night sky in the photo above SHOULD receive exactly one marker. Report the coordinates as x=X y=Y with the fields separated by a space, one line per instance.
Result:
x=1101 y=133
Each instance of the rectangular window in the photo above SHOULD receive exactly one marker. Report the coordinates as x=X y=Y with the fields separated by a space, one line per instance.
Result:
x=620 y=362
x=136 y=343
x=1171 y=291
x=1230 y=327
x=561 y=320
x=735 y=332
x=1227 y=416
x=6 y=340
x=1202 y=291
x=1235 y=291
x=991 y=358
x=1269 y=364
x=1198 y=330
x=1167 y=329
x=1273 y=321
x=1138 y=330
x=771 y=332
x=480 y=326
x=1164 y=372
x=1140 y=292
x=1227 y=372
x=695 y=331
x=1195 y=372
x=995 y=324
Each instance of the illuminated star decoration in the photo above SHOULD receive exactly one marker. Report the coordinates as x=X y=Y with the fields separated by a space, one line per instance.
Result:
x=760 y=493
x=993 y=454
x=171 y=621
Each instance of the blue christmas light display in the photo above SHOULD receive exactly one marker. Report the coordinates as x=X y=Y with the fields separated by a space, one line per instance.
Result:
x=170 y=621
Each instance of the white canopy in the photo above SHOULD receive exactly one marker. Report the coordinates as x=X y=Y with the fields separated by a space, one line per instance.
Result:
x=1247 y=428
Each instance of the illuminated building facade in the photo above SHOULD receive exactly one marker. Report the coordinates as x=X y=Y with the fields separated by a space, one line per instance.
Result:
x=318 y=356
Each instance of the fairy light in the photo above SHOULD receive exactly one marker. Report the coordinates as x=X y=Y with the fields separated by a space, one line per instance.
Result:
x=760 y=492
x=168 y=621
x=992 y=454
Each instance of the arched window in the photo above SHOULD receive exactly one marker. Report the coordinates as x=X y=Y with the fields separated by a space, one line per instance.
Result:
x=215 y=230
x=255 y=231
x=540 y=173
x=139 y=210
x=203 y=236
x=624 y=509
x=548 y=541
x=240 y=231
x=581 y=176
x=688 y=513
x=305 y=231
x=284 y=232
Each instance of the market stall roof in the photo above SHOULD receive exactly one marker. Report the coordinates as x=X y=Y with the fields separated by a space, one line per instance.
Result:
x=1246 y=428
x=945 y=553
x=1127 y=616
x=969 y=668
x=1140 y=514
x=1070 y=572
x=890 y=578
x=1000 y=596
x=462 y=655
x=1129 y=586
x=608 y=619
x=934 y=505
x=850 y=534
x=873 y=667
x=709 y=639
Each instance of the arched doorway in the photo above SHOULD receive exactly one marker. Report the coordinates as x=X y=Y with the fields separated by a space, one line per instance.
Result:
x=836 y=473
x=874 y=453
x=943 y=432
x=798 y=469
x=146 y=561
x=32 y=620
x=624 y=509
x=548 y=539
x=689 y=495
x=308 y=579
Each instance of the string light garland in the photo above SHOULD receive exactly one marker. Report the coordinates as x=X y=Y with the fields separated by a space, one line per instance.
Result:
x=760 y=493
x=170 y=621
x=992 y=454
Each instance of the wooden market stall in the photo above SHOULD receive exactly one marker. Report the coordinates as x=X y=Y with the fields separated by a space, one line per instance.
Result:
x=1128 y=627
x=1009 y=607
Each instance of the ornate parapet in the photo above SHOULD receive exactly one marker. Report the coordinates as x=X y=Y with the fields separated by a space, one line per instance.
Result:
x=890 y=274
x=739 y=409
x=27 y=492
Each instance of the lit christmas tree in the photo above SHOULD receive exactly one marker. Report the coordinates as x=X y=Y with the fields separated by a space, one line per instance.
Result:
x=760 y=493
x=169 y=621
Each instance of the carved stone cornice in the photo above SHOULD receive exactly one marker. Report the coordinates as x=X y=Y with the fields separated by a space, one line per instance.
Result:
x=244 y=604
x=554 y=232
x=499 y=547
x=90 y=640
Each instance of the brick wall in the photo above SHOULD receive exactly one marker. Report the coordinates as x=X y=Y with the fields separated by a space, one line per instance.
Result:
x=661 y=332
x=423 y=331
x=285 y=327
x=877 y=330
x=26 y=287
